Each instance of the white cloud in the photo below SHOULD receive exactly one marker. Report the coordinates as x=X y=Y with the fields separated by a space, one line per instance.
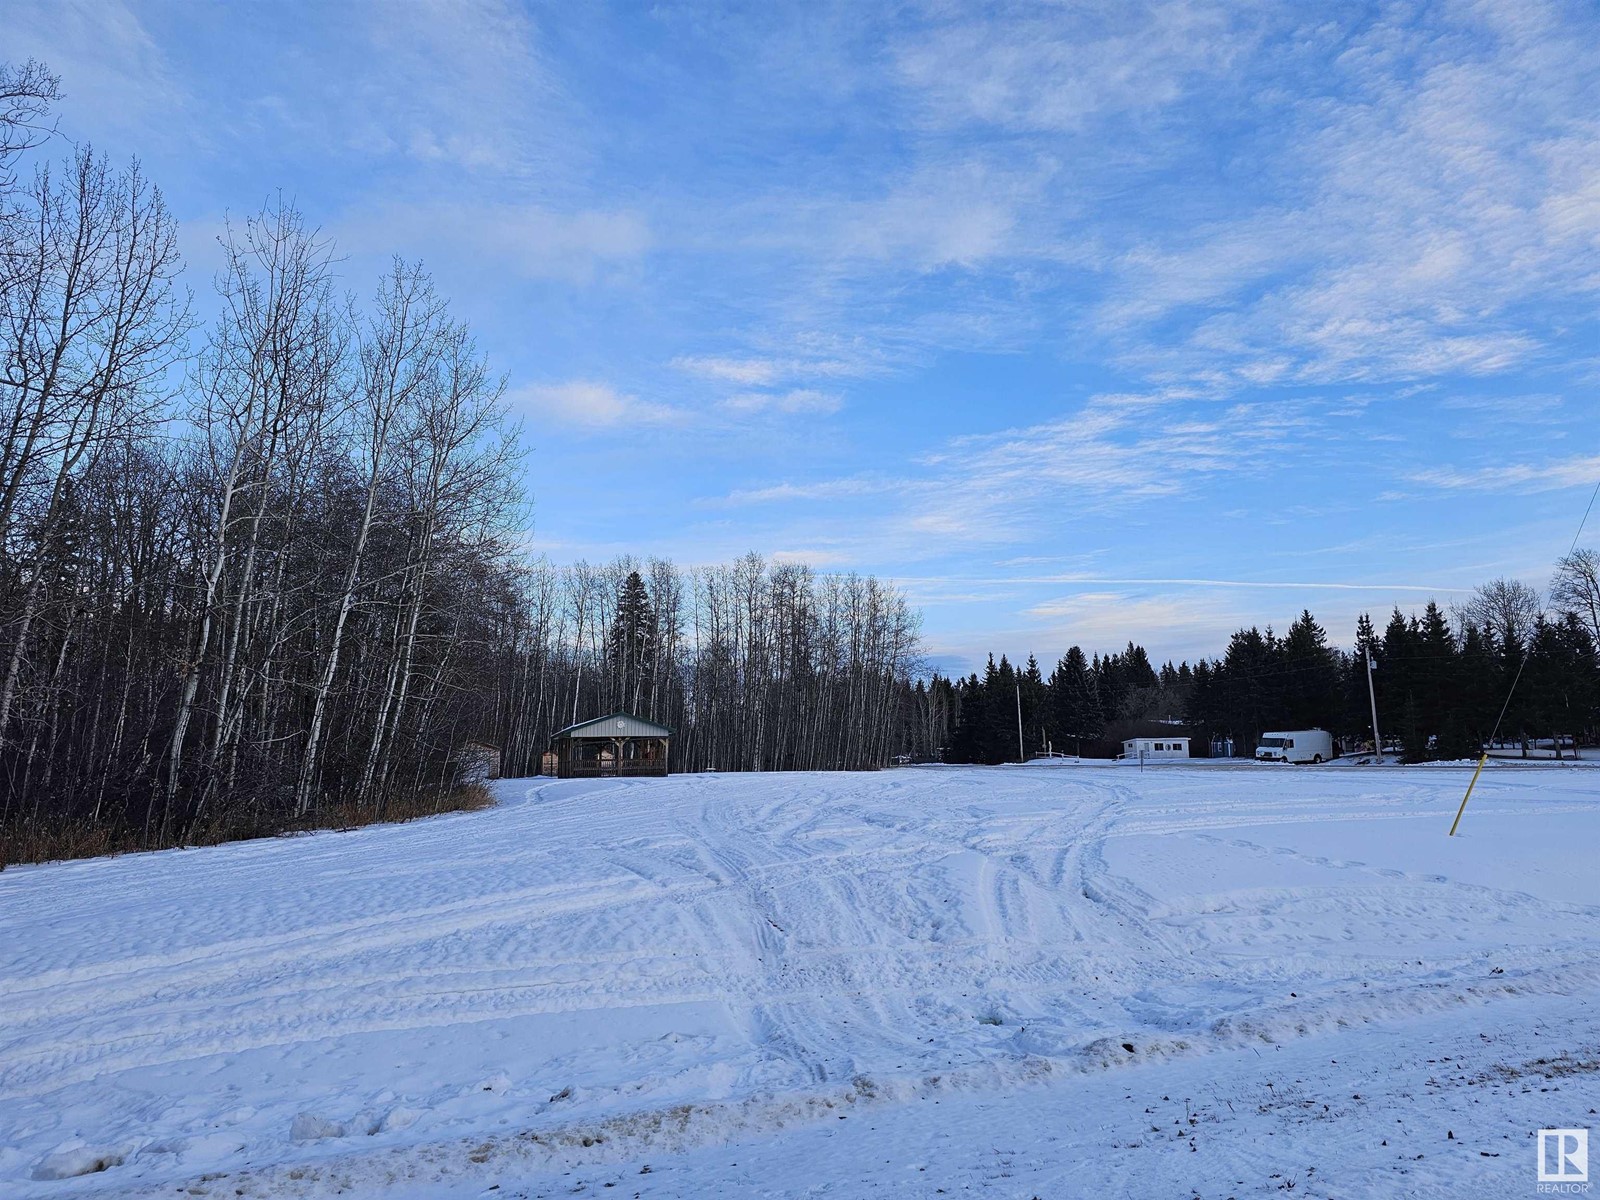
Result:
x=464 y=84
x=798 y=400
x=1103 y=618
x=1117 y=451
x=1444 y=181
x=827 y=489
x=757 y=372
x=1246 y=584
x=1058 y=68
x=585 y=404
x=959 y=220
x=114 y=77
x=815 y=557
x=1171 y=625
x=1582 y=470
x=526 y=240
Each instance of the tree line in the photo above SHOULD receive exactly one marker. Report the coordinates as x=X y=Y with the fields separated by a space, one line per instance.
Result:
x=754 y=666
x=260 y=571
x=1441 y=680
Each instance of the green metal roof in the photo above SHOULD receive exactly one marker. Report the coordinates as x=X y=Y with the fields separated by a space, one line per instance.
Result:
x=616 y=725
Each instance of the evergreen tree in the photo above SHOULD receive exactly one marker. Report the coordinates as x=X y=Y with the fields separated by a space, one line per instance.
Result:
x=1035 y=705
x=1310 y=676
x=1437 y=682
x=1560 y=680
x=966 y=744
x=1249 y=693
x=631 y=644
x=1074 y=701
x=1000 y=712
x=1469 y=717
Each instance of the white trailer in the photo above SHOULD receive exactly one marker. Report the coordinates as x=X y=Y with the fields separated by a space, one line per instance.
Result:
x=1154 y=749
x=1295 y=746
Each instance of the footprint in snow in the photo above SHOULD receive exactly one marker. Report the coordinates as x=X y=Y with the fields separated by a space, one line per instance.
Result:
x=308 y=1127
x=72 y=1159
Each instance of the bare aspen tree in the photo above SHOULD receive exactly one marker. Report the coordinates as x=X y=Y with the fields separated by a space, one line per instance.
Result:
x=1576 y=589
x=267 y=369
x=400 y=355
x=91 y=321
x=1507 y=607
x=457 y=479
x=26 y=94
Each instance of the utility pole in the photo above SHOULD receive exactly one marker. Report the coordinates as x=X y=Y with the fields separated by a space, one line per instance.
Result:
x=1372 y=695
x=1022 y=755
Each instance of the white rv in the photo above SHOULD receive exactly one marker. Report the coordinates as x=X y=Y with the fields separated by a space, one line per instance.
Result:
x=1295 y=746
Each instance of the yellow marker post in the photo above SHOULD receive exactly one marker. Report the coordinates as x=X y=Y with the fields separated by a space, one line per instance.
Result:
x=1468 y=796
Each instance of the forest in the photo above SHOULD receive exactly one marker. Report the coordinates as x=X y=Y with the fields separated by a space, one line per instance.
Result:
x=1443 y=683
x=259 y=550
x=755 y=666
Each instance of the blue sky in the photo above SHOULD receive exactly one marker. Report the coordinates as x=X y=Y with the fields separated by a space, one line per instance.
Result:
x=1084 y=322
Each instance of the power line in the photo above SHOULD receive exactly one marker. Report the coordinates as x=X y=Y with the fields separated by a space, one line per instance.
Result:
x=1585 y=520
x=1517 y=678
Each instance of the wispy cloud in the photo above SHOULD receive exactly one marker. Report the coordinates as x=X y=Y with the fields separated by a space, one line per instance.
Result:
x=797 y=400
x=1107 y=457
x=1579 y=470
x=519 y=240
x=784 y=493
x=1106 y=619
x=1237 y=584
x=1436 y=192
x=588 y=405
x=1045 y=69
x=117 y=79
x=1117 y=450
x=756 y=372
x=465 y=83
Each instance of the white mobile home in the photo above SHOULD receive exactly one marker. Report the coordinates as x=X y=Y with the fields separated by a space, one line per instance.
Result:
x=1155 y=749
x=1295 y=746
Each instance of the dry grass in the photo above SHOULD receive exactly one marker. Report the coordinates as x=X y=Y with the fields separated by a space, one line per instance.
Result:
x=469 y=797
x=27 y=843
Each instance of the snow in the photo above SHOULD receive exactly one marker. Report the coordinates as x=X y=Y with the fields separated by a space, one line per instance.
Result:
x=1199 y=979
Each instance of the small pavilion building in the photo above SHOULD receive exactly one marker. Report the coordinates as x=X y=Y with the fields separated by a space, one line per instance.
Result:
x=621 y=744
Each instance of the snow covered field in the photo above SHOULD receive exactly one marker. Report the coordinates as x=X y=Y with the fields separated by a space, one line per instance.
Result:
x=1214 y=980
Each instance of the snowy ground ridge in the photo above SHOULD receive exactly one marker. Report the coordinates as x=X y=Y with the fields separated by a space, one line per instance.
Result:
x=678 y=1127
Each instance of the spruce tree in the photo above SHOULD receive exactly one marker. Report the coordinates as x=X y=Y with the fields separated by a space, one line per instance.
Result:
x=1310 y=676
x=1034 y=705
x=1074 y=701
x=631 y=643
x=1000 y=712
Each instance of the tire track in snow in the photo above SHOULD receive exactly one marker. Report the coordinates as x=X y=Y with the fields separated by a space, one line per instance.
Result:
x=846 y=924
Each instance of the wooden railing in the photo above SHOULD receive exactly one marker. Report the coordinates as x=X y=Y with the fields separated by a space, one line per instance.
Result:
x=586 y=770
